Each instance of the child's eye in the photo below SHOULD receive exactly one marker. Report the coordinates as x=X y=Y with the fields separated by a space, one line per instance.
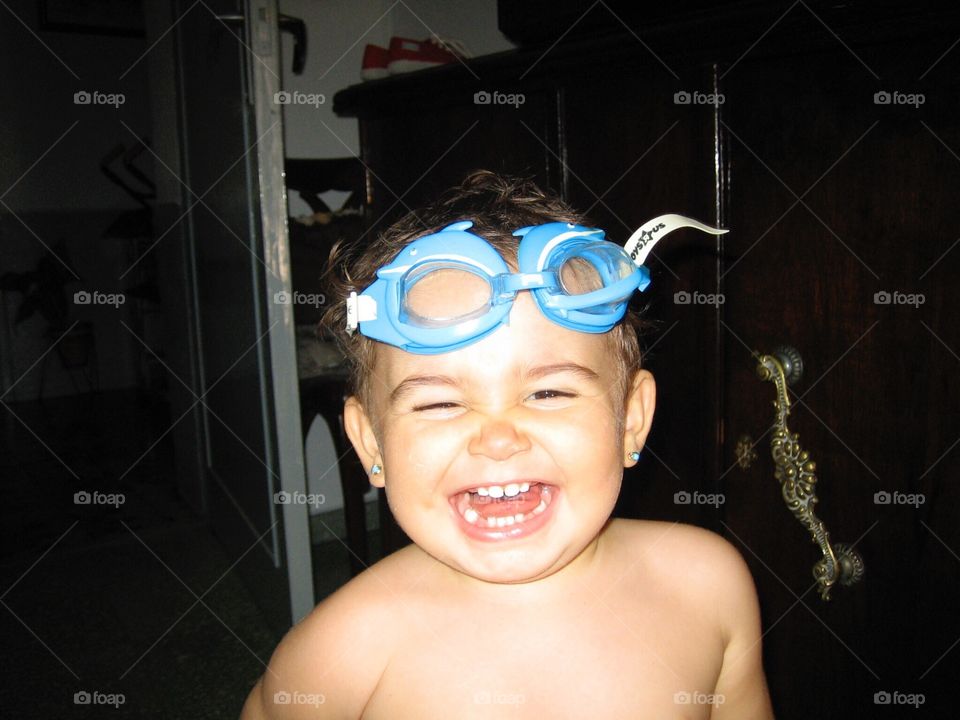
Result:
x=551 y=394
x=435 y=406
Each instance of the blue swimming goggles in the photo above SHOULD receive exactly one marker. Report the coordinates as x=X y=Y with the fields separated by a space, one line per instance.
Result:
x=452 y=288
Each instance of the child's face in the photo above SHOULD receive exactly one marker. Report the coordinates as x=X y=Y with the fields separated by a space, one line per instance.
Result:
x=532 y=403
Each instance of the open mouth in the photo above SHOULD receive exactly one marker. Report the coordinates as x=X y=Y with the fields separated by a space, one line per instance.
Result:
x=504 y=511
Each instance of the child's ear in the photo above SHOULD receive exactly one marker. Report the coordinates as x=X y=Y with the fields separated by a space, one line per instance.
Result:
x=360 y=431
x=639 y=404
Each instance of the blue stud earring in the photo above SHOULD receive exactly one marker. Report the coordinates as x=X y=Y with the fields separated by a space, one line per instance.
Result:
x=376 y=469
x=635 y=455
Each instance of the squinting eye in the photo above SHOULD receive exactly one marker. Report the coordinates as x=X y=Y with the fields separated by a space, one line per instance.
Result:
x=435 y=406
x=550 y=394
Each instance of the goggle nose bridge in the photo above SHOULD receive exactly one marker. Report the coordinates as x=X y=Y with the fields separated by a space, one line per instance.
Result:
x=505 y=286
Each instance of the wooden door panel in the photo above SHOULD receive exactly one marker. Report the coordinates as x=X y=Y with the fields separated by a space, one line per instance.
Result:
x=878 y=403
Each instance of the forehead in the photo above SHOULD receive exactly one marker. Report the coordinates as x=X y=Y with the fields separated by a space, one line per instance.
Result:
x=528 y=340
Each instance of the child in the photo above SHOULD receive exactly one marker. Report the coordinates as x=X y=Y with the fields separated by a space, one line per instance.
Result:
x=497 y=402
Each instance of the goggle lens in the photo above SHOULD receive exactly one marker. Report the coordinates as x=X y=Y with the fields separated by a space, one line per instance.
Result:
x=440 y=295
x=579 y=276
x=587 y=267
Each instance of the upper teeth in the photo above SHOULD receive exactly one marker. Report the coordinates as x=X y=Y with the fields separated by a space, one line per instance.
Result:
x=499 y=491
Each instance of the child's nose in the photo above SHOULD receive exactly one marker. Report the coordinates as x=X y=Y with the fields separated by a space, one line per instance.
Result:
x=498 y=439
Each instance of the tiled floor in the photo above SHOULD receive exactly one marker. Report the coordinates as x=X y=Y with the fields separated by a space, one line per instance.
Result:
x=105 y=600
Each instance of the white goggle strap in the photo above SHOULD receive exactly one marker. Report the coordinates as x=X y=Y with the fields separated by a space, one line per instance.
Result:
x=360 y=308
x=640 y=244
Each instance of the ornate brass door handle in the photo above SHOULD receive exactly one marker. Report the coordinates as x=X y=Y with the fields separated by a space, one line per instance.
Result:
x=795 y=473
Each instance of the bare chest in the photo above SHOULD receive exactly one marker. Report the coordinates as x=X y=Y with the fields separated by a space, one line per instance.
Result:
x=600 y=658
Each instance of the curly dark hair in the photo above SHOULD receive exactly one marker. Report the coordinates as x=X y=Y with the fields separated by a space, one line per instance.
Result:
x=497 y=205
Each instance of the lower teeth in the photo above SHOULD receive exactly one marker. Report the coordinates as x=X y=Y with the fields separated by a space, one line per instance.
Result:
x=473 y=517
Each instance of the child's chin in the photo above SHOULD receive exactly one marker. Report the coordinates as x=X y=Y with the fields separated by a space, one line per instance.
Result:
x=510 y=569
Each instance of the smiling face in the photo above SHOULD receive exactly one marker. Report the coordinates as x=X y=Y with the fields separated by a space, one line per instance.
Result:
x=503 y=460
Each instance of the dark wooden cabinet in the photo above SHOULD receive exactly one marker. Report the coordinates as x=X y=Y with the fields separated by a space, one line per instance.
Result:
x=420 y=146
x=836 y=201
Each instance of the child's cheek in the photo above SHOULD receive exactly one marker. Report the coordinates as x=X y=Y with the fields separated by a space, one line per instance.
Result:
x=424 y=452
x=592 y=418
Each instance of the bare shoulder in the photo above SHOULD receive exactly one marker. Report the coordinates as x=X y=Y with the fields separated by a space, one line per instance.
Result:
x=329 y=664
x=695 y=565
x=686 y=556
x=706 y=574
